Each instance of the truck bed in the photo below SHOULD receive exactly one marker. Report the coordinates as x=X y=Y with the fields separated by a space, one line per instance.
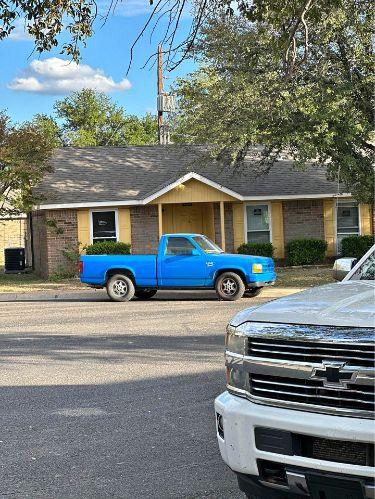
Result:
x=95 y=268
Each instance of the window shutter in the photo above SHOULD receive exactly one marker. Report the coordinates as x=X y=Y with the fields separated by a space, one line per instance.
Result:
x=83 y=221
x=365 y=222
x=238 y=225
x=329 y=226
x=277 y=228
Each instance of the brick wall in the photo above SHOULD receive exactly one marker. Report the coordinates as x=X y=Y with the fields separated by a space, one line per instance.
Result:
x=303 y=219
x=144 y=229
x=12 y=235
x=228 y=223
x=39 y=230
x=55 y=232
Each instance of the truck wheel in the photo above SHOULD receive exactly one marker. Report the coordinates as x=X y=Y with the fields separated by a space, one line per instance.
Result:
x=120 y=288
x=251 y=292
x=145 y=294
x=229 y=286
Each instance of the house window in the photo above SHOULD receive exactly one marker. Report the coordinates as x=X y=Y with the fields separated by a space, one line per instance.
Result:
x=258 y=224
x=347 y=221
x=104 y=226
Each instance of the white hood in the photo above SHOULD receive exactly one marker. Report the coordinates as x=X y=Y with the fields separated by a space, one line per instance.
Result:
x=350 y=303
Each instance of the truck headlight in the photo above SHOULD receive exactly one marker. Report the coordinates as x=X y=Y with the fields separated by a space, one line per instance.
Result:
x=236 y=378
x=257 y=268
x=235 y=343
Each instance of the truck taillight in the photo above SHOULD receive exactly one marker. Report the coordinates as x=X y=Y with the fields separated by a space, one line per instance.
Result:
x=80 y=267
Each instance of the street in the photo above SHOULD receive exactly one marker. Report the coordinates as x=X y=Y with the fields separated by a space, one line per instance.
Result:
x=102 y=399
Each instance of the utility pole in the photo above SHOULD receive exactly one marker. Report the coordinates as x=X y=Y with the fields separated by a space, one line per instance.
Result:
x=165 y=103
x=160 y=89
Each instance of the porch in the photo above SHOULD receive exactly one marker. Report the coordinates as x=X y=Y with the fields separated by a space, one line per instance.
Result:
x=215 y=220
x=194 y=206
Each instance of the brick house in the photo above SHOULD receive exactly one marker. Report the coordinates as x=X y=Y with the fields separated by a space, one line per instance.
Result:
x=135 y=194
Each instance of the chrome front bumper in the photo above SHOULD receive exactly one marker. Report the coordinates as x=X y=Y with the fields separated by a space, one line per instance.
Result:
x=260 y=284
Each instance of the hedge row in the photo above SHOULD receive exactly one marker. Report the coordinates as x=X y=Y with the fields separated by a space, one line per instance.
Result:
x=310 y=251
x=356 y=246
x=298 y=252
x=108 y=248
x=257 y=249
x=305 y=251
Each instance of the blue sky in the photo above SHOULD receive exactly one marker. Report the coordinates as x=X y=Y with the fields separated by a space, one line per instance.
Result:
x=31 y=83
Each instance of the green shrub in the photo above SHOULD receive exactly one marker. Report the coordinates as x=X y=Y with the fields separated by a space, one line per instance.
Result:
x=108 y=248
x=356 y=246
x=305 y=251
x=257 y=249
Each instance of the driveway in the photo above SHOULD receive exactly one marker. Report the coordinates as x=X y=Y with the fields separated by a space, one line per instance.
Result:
x=102 y=399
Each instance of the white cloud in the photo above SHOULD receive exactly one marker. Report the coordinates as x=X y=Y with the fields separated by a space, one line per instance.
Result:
x=19 y=33
x=58 y=76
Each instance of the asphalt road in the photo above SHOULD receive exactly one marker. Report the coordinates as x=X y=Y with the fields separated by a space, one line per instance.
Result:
x=102 y=399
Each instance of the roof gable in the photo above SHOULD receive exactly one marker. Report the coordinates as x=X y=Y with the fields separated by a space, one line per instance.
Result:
x=191 y=188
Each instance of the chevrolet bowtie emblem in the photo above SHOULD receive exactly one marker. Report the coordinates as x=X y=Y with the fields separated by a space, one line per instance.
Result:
x=334 y=375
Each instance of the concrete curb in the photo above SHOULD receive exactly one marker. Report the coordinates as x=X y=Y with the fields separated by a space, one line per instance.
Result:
x=53 y=295
x=100 y=295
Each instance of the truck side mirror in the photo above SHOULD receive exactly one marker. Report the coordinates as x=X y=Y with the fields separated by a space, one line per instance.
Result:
x=195 y=252
x=342 y=267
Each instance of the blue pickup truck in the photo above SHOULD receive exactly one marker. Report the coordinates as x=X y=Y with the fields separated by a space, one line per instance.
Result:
x=184 y=261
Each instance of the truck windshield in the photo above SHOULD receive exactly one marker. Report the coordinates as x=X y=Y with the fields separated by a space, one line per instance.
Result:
x=366 y=271
x=207 y=245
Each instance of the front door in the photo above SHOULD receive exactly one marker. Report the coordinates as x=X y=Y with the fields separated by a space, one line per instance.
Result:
x=183 y=264
x=188 y=218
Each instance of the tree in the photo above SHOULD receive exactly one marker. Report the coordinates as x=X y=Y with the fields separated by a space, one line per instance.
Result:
x=50 y=129
x=24 y=154
x=45 y=20
x=317 y=107
x=91 y=118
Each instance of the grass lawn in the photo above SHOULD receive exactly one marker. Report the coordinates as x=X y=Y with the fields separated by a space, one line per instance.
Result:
x=286 y=277
x=303 y=277
x=25 y=283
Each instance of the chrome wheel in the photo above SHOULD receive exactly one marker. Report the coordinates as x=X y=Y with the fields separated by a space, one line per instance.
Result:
x=120 y=288
x=229 y=286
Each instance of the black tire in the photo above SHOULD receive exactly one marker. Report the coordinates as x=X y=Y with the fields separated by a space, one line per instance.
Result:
x=120 y=288
x=229 y=286
x=145 y=294
x=251 y=292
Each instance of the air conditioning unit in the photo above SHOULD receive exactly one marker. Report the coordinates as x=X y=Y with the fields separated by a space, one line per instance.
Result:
x=14 y=260
x=166 y=103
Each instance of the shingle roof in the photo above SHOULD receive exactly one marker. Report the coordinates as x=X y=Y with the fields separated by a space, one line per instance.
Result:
x=118 y=174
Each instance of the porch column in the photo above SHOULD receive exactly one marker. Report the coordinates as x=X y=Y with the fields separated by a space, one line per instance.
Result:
x=222 y=225
x=160 y=218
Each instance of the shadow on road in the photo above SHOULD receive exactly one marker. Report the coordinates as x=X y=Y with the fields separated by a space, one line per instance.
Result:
x=108 y=348
x=146 y=438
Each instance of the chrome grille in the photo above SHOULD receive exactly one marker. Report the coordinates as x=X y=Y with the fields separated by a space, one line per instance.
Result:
x=315 y=368
x=312 y=392
x=360 y=355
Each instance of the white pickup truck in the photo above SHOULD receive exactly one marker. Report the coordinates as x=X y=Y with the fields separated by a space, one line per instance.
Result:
x=296 y=420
